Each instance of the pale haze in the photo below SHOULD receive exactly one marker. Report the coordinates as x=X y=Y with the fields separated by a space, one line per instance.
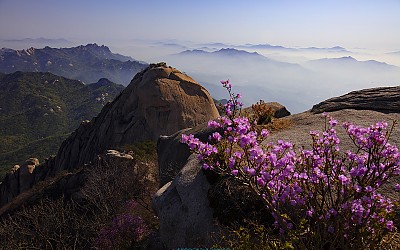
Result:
x=369 y=24
x=361 y=37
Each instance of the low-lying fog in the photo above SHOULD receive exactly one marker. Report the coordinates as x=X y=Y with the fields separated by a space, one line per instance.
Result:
x=296 y=77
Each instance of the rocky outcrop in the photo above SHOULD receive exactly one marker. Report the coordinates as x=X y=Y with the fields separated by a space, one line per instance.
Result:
x=278 y=110
x=67 y=184
x=159 y=101
x=173 y=155
x=18 y=180
x=172 y=204
x=186 y=218
x=385 y=100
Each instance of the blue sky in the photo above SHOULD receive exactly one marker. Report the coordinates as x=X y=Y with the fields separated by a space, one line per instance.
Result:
x=348 y=23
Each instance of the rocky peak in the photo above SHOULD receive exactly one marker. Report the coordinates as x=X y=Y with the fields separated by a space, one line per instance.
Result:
x=30 y=51
x=94 y=47
x=160 y=100
x=102 y=82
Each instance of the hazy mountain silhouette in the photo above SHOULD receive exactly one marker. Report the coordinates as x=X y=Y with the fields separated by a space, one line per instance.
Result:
x=297 y=86
x=40 y=40
x=348 y=61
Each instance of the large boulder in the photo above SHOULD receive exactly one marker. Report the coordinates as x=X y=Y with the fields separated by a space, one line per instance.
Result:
x=173 y=155
x=278 y=110
x=385 y=99
x=182 y=205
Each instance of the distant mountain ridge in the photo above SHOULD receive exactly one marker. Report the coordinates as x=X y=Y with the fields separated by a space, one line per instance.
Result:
x=43 y=107
x=347 y=61
x=228 y=52
x=394 y=53
x=87 y=63
x=230 y=56
x=267 y=46
x=41 y=42
x=335 y=48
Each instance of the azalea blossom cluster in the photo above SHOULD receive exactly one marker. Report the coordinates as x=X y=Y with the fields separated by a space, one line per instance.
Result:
x=319 y=193
x=124 y=230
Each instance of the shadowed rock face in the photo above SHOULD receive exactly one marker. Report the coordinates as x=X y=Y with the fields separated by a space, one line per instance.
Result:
x=386 y=100
x=159 y=101
x=18 y=180
x=173 y=155
x=186 y=219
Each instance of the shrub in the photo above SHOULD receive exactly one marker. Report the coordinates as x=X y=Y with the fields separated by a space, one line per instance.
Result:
x=262 y=112
x=50 y=224
x=113 y=202
x=253 y=236
x=319 y=198
x=124 y=232
x=142 y=150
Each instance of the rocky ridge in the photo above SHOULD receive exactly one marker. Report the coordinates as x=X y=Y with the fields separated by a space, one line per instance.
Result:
x=87 y=63
x=66 y=184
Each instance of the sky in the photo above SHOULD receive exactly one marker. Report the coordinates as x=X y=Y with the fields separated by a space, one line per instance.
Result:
x=348 y=23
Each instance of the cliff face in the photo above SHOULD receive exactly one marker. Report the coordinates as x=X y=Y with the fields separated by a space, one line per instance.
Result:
x=159 y=101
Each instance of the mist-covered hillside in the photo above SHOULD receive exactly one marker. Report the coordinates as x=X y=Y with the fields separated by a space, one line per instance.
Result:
x=296 y=77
